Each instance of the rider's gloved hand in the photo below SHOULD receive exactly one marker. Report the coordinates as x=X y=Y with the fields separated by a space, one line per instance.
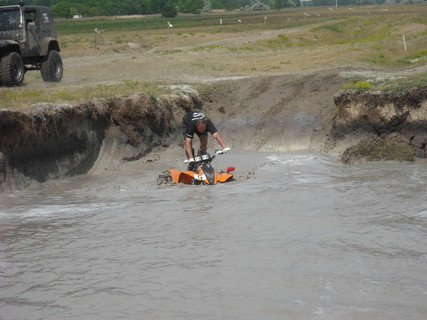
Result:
x=225 y=150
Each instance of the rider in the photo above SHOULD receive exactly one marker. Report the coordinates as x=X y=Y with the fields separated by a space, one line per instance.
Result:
x=197 y=123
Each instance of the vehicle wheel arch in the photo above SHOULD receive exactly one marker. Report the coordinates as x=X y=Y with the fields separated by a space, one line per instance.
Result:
x=48 y=45
x=10 y=48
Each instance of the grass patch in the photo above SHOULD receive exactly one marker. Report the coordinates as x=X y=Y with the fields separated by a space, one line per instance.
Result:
x=65 y=95
x=334 y=27
x=206 y=48
x=205 y=92
x=23 y=97
x=278 y=42
x=8 y=98
x=359 y=85
x=393 y=83
x=242 y=48
x=131 y=83
x=167 y=52
x=379 y=58
x=400 y=83
x=420 y=55
x=208 y=66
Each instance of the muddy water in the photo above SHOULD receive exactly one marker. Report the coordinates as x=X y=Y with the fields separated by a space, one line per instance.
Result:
x=298 y=236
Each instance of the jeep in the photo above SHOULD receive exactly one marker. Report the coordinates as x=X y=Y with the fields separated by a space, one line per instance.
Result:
x=28 y=42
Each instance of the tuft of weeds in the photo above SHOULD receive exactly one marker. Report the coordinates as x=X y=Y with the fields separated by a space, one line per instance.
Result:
x=32 y=94
x=64 y=95
x=131 y=83
x=153 y=99
x=359 y=85
x=205 y=92
x=206 y=48
x=208 y=66
x=8 y=98
x=166 y=52
x=334 y=27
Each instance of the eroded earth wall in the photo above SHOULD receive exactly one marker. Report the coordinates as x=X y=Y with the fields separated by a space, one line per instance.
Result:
x=396 y=116
x=271 y=114
x=54 y=141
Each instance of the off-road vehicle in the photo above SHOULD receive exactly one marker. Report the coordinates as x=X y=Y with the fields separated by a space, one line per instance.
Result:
x=28 y=42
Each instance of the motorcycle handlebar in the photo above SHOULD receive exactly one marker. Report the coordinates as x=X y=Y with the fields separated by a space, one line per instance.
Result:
x=217 y=152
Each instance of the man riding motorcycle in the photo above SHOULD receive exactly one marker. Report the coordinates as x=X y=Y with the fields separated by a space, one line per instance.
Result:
x=197 y=123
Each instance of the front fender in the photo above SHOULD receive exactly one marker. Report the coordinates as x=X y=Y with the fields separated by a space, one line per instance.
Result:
x=47 y=45
x=8 y=43
x=9 y=46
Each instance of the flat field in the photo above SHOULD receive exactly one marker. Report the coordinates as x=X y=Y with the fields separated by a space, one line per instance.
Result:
x=382 y=47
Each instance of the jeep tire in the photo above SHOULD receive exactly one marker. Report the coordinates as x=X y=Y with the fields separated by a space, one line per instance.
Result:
x=51 y=68
x=12 y=69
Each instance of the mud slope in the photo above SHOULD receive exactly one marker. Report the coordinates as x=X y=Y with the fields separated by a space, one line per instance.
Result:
x=268 y=113
x=277 y=113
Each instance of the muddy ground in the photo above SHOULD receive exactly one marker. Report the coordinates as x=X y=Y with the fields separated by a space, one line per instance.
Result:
x=268 y=113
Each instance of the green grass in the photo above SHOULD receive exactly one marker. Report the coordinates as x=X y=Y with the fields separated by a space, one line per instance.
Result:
x=401 y=83
x=359 y=85
x=397 y=83
x=420 y=55
x=206 y=48
x=337 y=27
x=372 y=41
x=78 y=95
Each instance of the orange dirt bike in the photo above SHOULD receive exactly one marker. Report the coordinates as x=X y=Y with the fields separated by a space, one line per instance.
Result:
x=203 y=172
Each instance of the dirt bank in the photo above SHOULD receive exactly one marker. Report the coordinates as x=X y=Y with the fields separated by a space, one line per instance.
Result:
x=55 y=141
x=265 y=113
x=399 y=117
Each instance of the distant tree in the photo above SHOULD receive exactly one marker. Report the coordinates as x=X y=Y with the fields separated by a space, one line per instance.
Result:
x=154 y=6
x=291 y=3
x=65 y=8
x=278 y=4
x=217 y=4
x=62 y=9
x=327 y=2
x=235 y=4
x=45 y=3
x=169 y=10
x=207 y=6
x=190 y=6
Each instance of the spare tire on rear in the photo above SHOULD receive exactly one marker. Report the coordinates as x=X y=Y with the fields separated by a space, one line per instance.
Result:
x=52 y=69
x=12 y=69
